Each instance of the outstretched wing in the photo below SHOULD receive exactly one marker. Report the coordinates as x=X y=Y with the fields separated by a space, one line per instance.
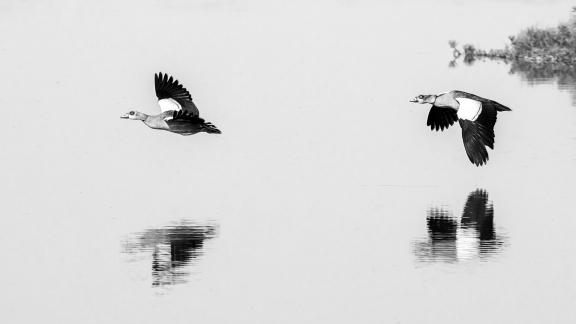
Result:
x=440 y=118
x=172 y=95
x=475 y=137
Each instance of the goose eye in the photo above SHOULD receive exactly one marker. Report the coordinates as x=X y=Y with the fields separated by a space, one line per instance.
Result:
x=131 y=113
x=421 y=96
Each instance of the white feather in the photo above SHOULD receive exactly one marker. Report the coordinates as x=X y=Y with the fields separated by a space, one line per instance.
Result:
x=467 y=244
x=469 y=109
x=169 y=104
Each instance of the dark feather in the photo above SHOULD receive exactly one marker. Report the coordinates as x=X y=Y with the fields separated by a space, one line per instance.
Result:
x=479 y=214
x=183 y=115
x=441 y=225
x=184 y=127
x=440 y=118
x=185 y=123
x=170 y=88
x=475 y=137
x=476 y=207
x=487 y=119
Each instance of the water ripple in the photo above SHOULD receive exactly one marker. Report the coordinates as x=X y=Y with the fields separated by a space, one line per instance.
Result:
x=472 y=238
x=172 y=248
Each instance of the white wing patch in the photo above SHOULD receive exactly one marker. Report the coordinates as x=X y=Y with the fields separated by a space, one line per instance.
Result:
x=169 y=104
x=467 y=244
x=469 y=109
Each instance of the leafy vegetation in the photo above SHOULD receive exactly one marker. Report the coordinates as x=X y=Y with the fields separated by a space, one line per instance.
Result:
x=538 y=45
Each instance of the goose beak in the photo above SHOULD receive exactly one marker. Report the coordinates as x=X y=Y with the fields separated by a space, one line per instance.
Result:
x=415 y=99
x=124 y=116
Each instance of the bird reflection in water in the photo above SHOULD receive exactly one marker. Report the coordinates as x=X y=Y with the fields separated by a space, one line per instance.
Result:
x=473 y=238
x=534 y=72
x=173 y=248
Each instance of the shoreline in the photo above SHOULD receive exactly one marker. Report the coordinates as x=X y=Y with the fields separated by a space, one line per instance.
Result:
x=536 y=57
x=535 y=45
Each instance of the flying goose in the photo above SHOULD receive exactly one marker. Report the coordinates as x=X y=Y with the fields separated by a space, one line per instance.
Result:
x=475 y=114
x=179 y=113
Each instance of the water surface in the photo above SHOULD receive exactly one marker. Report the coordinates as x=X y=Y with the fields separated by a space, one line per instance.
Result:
x=172 y=249
x=473 y=237
x=324 y=178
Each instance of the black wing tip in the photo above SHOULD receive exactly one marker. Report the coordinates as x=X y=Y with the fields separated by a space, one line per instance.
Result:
x=479 y=193
x=498 y=106
x=479 y=160
x=478 y=154
x=435 y=127
x=211 y=129
x=168 y=86
x=162 y=77
x=159 y=76
x=441 y=118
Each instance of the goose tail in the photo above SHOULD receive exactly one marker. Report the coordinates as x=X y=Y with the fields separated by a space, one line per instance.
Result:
x=211 y=129
x=501 y=107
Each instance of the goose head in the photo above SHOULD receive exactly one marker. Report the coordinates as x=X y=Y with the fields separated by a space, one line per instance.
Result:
x=134 y=115
x=423 y=99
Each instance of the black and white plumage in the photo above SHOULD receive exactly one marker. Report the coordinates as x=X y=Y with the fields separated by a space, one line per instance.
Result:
x=185 y=123
x=179 y=113
x=476 y=116
x=172 y=95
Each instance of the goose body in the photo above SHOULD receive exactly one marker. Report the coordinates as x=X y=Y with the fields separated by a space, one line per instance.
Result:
x=179 y=113
x=476 y=116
